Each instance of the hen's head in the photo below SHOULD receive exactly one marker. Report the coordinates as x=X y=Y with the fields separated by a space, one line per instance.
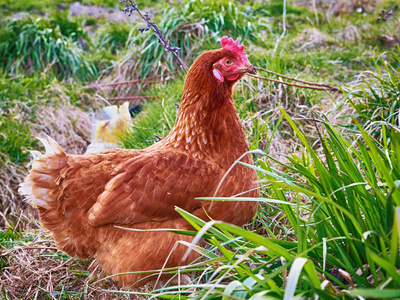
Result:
x=234 y=62
x=223 y=66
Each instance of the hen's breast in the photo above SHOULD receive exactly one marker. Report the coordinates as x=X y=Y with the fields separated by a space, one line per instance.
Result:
x=239 y=181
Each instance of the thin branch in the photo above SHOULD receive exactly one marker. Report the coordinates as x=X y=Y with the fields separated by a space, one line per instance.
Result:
x=298 y=85
x=131 y=8
x=124 y=98
x=327 y=86
x=131 y=98
x=144 y=80
x=40 y=248
x=127 y=82
x=159 y=138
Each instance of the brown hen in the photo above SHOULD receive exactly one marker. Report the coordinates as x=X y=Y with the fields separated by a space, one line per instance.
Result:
x=81 y=198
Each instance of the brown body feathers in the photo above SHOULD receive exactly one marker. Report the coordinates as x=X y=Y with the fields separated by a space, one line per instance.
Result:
x=81 y=198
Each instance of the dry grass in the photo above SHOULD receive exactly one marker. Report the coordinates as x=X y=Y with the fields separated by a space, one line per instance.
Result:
x=11 y=175
x=352 y=33
x=95 y=11
x=67 y=124
x=281 y=142
x=129 y=69
x=340 y=7
x=35 y=269
x=312 y=38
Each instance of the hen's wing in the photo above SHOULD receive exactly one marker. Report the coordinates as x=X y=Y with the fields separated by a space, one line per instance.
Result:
x=149 y=186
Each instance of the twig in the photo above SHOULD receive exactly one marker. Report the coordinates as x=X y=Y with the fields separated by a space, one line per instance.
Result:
x=327 y=86
x=127 y=82
x=29 y=248
x=144 y=80
x=131 y=98
x=41 y=248
x=159 y=138
x=298 y=85
x=131 y=8
x=102 y=99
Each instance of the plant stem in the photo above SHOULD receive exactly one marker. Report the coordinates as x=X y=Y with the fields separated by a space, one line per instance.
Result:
x=326 y=86
x=144 y=81
x=131 y=98
x=131 y=8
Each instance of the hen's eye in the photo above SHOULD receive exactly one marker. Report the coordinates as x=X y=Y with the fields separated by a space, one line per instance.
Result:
x=228 y=62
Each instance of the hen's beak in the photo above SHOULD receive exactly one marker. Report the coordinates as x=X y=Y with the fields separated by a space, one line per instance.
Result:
x=249 y=69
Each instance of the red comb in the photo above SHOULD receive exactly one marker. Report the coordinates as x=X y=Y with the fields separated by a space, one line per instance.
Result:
x=233 y=46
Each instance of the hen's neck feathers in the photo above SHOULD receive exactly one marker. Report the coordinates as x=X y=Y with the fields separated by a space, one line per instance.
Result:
x=207 y=125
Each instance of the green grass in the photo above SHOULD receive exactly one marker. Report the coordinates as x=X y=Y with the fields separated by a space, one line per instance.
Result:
x=15 y=139
x=33 y=45
x=332 y=203
x=342 y=212
x=42 y=6
x=22 y=97
x=113 y=37
x=158 y=118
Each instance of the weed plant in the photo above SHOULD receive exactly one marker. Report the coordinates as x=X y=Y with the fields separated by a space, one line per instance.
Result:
x=32 y=45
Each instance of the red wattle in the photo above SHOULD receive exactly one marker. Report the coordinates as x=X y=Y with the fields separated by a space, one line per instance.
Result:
x=233 y=77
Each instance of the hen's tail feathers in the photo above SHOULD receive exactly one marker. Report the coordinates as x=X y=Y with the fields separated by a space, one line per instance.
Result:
x=40 y=185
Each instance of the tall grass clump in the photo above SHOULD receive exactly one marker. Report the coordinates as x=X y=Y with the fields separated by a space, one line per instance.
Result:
x=330 y=228
x=113 y=37
x=226 y=17
x=193 y=26
x=32 y=45
x=17 y=108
